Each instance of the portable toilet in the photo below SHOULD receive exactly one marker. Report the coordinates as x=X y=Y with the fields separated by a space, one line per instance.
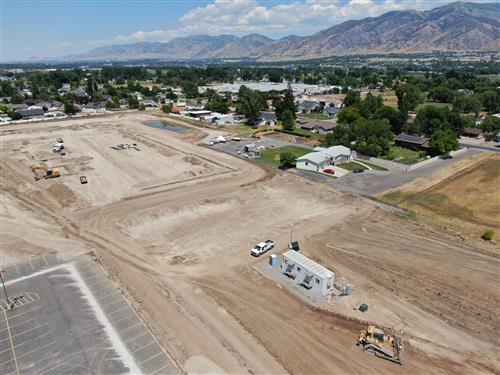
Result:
x=273 y=260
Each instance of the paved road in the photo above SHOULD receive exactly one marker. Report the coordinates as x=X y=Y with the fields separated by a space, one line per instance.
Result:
x=482 y=147
x=374 y=182
x=233 y=147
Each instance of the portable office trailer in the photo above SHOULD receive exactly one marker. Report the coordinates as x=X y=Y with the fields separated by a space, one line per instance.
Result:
x=307 y=272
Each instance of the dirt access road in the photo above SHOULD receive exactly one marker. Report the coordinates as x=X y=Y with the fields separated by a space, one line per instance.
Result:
x=174 y=222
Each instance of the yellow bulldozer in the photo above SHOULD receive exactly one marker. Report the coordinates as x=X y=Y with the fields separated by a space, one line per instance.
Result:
x=374 y=340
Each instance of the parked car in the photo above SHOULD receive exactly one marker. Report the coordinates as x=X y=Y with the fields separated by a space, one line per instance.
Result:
x=358 y=170
x=262 y=247
x=329 y=171
x=83 y=179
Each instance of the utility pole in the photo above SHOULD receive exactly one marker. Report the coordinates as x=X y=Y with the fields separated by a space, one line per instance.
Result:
x=14 y=299
x=4 y=288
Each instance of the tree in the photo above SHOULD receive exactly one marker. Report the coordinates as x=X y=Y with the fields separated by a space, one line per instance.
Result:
x=340 y=135
x=142 y=107
x=396 y=118
x=372 y=102
x=491 y=101
x=352 y=98
x=190 y=89
x=431 y=118
x=409 y=97
x=348 y=115
x=166 y=108
x=442 y=94
x=491 y=125
x=444 y=141
x=250 y=103
x=4 y=108
x=373 y=137
x=216 y=103
x=288 y=120
x=113 y=103
x=285 y=104
x=15 y=115
x=467 y=104
x=69 y=108
x=90 y=85
x=287 y=160
x=133 y=103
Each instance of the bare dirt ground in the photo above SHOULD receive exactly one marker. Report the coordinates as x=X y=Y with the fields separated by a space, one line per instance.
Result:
x=174 y=222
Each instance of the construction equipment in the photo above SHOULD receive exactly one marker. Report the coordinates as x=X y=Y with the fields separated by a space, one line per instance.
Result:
x=52 y=173
x=375 y=341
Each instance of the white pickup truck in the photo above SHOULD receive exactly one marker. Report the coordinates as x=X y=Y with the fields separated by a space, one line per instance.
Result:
x=262 y=247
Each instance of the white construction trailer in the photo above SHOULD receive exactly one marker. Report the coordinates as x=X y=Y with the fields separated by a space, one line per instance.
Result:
x=307 y=272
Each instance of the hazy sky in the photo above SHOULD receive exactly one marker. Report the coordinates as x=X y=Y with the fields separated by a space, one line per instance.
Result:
x=50 y=28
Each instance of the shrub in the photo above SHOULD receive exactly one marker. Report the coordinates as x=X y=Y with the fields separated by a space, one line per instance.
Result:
x=488 y=235
x=287 y=160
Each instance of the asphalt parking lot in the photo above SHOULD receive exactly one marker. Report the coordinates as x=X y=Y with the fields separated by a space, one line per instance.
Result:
x=235 y=147
x=72 y=319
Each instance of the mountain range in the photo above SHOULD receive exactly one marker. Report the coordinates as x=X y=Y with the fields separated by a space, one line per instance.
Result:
x=453 y=27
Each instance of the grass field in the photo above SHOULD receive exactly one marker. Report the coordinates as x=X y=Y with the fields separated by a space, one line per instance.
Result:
x=468 y=200
x=390 y=98
x=243 y=129
x=317 y=116
x=434 y=104
x=402 y=155
x=271 y=157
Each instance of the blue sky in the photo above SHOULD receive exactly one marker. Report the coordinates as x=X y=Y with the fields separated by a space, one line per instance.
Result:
x=50 y=28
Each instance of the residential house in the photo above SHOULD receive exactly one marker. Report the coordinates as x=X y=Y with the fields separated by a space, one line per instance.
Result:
x=94 y=107
x=18 y=107
x=330 y=111
x=308 y=106
x=149 y=103
x=316 y=126
x=338 y=153
x=200 y=114
x=314 y=161
x=472 y=132
x=55 y=114
x=325 y=127
x=412 y=142
x=29 y=114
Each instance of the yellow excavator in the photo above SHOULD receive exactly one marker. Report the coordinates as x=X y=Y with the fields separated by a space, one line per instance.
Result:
x=374 y=340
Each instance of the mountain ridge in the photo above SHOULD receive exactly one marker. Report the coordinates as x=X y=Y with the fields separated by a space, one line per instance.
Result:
x=453 y=27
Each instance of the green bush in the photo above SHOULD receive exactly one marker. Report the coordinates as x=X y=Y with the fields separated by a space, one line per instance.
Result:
x=488 y=235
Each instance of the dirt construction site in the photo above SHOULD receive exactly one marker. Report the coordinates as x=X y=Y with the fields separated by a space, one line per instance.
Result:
x=172 y=224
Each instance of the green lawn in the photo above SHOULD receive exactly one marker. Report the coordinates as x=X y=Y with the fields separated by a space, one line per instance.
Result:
x=375 y=166
x=402 y=155
x=317 y=116
x=351 y=165
x=271 y=157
